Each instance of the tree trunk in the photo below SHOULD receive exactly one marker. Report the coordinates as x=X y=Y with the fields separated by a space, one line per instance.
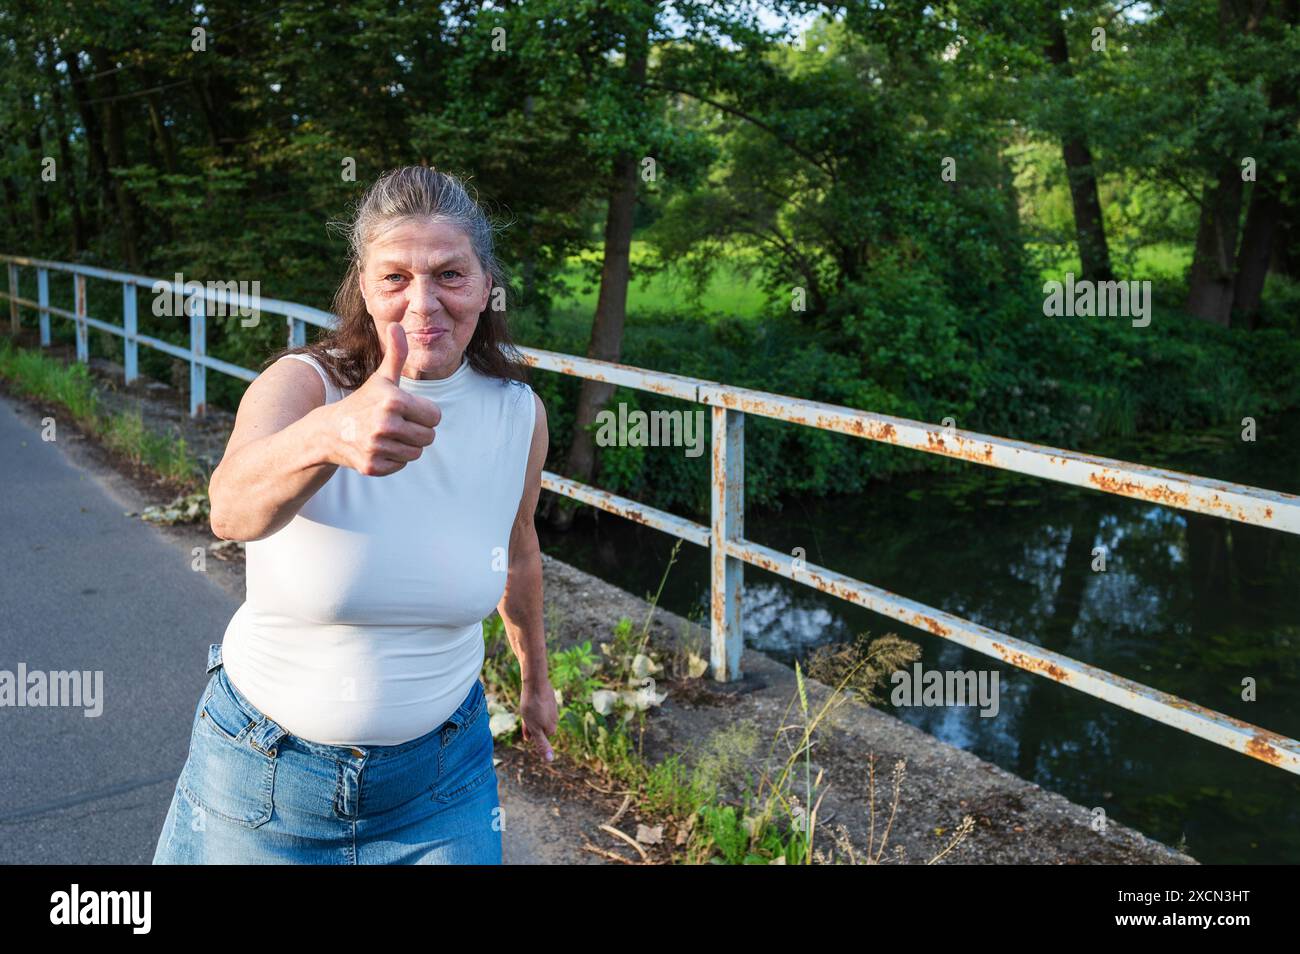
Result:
x=611 y=305
x=115 y=139
x=1089 y=226
x=161 y=133
x=11 y=203
x=36 y=151
x=1256 y=250
x=216 y=139
x=1265 y=210
x=217 y=101
x=607 y=329
x=81 y=95
x=67 y=171
x=1210 y=283
x=1212 y=279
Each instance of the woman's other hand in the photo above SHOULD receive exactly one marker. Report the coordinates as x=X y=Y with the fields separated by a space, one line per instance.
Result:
x=539 y=715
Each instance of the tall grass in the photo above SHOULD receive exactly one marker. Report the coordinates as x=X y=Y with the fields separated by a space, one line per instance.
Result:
x=716 y=811
x=72 y=388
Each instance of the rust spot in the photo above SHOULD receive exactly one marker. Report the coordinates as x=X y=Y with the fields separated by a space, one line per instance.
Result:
x=1127 y=488
x=933 y=625
x=1264 y=751
x=1033 y=665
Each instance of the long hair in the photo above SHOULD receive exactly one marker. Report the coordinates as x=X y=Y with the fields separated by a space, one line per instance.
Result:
x=350 y=351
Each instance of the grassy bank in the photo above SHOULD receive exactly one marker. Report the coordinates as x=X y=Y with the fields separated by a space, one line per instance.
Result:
x=712 y=811
x=70 y=388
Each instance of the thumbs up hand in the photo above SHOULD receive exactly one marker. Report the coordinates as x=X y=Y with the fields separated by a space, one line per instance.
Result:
x=379 y=428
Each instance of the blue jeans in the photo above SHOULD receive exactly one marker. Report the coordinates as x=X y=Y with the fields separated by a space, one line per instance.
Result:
x=251 y=793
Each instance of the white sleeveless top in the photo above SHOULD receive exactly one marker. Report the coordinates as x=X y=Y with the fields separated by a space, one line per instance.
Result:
x=362 y=623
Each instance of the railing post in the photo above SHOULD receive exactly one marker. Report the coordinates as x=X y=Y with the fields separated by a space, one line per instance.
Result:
x=728 y=572
x=83 y=329
x=13 y=298
x=297 y=332
x=43 y=297
x=198 y=349
x=130 y=348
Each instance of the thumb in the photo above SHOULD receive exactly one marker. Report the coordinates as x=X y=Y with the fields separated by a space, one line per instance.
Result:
x=540 y=743
x=394 y=354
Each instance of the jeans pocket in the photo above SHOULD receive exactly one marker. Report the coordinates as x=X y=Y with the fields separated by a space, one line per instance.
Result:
x=465 y=762
x=224 y=773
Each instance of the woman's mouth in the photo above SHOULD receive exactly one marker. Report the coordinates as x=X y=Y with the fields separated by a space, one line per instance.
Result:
x=427 y=334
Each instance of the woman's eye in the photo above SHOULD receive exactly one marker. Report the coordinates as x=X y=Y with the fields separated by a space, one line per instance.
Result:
x=393 y=275
x=452 y=272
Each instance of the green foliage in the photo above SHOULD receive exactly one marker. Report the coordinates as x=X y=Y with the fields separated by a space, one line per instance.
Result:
x=726 y=832
x=998 y=367
x=801 y=233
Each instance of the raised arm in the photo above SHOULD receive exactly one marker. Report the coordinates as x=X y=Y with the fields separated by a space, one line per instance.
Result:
x=277 y=454
x=288 y=442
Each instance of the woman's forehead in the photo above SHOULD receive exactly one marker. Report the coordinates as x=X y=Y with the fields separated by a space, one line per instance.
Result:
x=416 y=261
x=414 y=246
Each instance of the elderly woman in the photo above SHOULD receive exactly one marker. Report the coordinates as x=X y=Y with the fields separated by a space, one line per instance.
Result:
x=344 y=720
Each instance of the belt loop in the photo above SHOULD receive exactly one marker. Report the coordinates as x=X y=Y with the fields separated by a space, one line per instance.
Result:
x=462 y=716
x=266 y=736
x=268 y=732
x=214 y=657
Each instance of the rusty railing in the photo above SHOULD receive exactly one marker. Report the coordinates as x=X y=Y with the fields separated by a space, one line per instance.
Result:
x=724 y=537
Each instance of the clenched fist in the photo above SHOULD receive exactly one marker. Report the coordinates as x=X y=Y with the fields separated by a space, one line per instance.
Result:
x=379 y=428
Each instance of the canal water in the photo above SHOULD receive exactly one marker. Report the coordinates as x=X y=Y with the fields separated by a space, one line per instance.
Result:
x=1188 y=604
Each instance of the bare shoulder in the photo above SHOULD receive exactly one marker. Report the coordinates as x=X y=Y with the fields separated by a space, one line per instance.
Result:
x=539 y=423
x=533 y=471
x=539 y=445
x=285 y=392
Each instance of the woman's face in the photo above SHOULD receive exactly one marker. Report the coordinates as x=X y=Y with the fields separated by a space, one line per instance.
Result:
x=425 y=276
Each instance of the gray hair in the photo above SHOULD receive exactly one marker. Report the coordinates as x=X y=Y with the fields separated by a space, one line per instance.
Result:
x=424 y=193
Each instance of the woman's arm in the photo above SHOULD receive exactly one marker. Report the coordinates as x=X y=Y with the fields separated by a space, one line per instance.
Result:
x=288 y=442
x=277 y=454
x=521 y=606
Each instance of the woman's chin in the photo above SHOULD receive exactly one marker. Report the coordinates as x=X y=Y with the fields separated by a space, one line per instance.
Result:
x=430 y=352
x=427 y=362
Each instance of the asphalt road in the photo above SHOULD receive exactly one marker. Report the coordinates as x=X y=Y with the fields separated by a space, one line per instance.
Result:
x=83 y=587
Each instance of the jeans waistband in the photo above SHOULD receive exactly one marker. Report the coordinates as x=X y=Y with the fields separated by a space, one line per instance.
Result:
x=268 y=733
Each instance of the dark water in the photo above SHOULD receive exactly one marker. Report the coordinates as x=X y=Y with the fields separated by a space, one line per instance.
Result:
x=1187 y=604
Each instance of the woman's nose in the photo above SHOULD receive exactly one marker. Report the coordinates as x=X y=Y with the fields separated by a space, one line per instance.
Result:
x=424 y=294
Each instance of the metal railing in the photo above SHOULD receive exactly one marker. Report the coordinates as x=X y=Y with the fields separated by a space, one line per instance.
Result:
x=297 y=316
x=725 y=539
